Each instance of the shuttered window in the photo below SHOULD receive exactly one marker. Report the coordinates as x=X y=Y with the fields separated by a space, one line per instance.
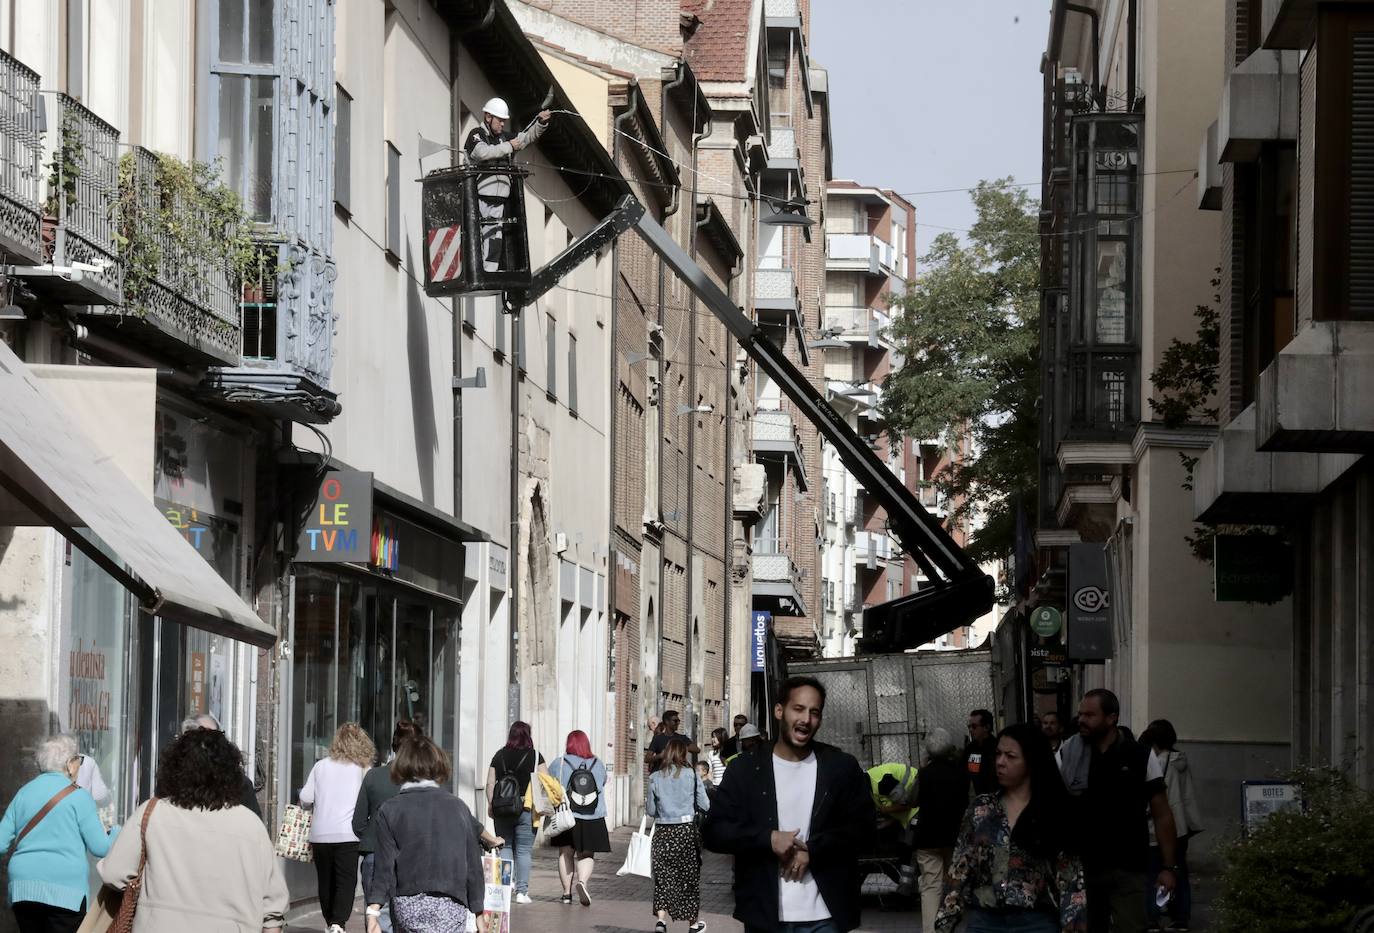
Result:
x=1343 y=213
x=393 y=202
x=343 y=150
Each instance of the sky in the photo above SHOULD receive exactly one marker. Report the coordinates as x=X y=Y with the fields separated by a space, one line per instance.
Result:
x=933 y=94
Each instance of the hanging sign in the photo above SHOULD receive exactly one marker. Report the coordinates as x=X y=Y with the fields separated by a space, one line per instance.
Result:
x=758 y=640
x=1090 y=626
x=338 y=527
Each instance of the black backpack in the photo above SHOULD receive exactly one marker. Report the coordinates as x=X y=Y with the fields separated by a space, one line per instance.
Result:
x=582 y=790
x=506 y=798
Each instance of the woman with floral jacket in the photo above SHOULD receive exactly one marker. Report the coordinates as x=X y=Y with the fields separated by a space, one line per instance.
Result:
x=1015 y=866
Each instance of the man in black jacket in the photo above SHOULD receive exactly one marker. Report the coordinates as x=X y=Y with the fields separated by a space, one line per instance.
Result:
x=795 y=816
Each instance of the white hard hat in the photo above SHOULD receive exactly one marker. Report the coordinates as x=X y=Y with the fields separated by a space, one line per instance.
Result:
x=497 y=108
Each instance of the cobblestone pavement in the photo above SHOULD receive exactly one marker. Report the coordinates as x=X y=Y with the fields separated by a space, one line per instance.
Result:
x=621 y=905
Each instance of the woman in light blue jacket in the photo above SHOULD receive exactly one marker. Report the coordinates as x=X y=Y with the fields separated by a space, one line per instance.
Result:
x=675 y=796
x=583 y=777
x=49 y=875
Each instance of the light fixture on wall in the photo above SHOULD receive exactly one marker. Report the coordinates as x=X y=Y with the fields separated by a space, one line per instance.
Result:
x=702 y=409
x=786 y=213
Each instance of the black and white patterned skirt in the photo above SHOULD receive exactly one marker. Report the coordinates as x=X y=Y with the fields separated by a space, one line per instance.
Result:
x=676 y=853
x=427 y=913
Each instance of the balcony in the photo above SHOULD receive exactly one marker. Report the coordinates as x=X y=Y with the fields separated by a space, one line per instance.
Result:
x=782 y=149
x=777 y=584
x=853 y=511
x=1314 y=395
x=1259 y=104
x=782 y=14
x=177 y=297
x=873 y=546
x=853 y=602
x=21 y=147
x=79 y=223
x=776 y=437
x=857 y=325
x=777 y=301
x=749 y=486
x=931 y=500
x=857 y=252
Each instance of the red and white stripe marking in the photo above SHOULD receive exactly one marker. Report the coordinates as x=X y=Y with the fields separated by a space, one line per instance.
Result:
x=445 y=253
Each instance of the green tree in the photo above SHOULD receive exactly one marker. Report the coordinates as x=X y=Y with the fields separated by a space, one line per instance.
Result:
x=968 y=330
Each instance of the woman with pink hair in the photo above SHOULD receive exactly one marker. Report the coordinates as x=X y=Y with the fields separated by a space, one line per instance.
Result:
x=583 y=777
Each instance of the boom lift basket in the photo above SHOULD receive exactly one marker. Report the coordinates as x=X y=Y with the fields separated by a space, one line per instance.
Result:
x=460 y=243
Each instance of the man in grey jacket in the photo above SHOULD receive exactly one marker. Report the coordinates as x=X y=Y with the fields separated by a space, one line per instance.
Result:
x=489 y=145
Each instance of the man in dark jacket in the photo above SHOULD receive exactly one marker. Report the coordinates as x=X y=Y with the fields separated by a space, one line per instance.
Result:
x=795 y=817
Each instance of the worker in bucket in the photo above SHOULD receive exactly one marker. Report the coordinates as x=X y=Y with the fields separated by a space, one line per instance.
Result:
x=491 y=146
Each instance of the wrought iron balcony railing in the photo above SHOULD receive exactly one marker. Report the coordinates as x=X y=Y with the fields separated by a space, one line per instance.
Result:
x=79 y=226
x=21 y=147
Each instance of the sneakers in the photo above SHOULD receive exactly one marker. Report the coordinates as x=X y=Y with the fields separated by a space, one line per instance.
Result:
x=698 y=927
x=334 y=928
x=521 y=898
x=580 y=889
x=661 y=927
x=565 y=899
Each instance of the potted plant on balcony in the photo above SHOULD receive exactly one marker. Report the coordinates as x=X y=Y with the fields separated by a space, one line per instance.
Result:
x=63 y=173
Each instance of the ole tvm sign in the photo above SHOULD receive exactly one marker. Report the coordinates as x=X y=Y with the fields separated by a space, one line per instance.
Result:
x=338 y=527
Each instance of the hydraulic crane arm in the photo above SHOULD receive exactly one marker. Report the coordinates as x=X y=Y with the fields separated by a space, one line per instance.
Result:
x=959 y=591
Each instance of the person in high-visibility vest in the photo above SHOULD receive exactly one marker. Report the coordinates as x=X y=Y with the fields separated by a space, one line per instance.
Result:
x=894 y=796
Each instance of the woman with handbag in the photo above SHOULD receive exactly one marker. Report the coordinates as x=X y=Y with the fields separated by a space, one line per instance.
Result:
x=1178 y=781
x=674 y=799
x=331 y=791
x=508 y=783
x=583 y=777
x=52 y=824
x=193 y=857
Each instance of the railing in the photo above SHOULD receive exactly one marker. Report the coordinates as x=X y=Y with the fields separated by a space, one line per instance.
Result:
x=872 y=544
x=775 y=568
x=775 y=286
x=82 y=189
x=852 y=601
x=782 y=142
x=21 y=148
x=189 y=296
x=864 y=323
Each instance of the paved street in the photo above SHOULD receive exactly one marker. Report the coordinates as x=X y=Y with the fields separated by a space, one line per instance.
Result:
x=621 y=905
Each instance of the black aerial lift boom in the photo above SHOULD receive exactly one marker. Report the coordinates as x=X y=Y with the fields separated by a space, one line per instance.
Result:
x=958 y=591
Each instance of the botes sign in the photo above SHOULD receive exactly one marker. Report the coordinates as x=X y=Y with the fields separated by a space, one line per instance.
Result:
x=338 y=528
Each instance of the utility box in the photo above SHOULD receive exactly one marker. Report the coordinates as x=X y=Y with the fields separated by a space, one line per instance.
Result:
x=476 y=241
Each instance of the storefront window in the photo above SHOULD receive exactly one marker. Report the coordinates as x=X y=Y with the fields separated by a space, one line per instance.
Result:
x=97 y=667
x=312 y=674
x=445 y=670
x=365 y=640
x=413 y=694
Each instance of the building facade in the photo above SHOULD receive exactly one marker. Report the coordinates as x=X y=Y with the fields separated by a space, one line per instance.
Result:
x=1282 y=167
x=1126 y=259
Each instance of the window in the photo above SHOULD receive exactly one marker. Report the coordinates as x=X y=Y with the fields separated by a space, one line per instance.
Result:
x=393 y=201
x=551 y=356
x=343 y=146
x=259 y=308
x=244 y=77
x=1269 y=324
x=572 y=373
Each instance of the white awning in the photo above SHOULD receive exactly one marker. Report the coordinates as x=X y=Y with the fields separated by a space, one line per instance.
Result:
x=61 y=478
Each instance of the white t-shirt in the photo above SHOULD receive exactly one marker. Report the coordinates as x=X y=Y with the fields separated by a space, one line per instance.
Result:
x=798 y=901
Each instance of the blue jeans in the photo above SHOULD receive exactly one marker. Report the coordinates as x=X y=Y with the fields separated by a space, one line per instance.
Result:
x=806 y=926
x=520 y=832
x=1011 y=921
x=369 y=866
x=1180 y=906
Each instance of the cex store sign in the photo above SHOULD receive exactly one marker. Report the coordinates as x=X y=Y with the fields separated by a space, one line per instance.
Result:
x=338 y=528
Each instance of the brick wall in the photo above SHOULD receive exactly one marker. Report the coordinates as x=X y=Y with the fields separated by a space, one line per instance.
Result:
x=652 y=23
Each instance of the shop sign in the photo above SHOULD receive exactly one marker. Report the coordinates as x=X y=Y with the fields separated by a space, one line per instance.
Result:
x=759 y=641
x=1252 y=568
x=197 y=681
x=1262 y=799
x=1048 y=654
x=1089 y=624
x=88 y=711
x=337 y=527
x=1045 y=621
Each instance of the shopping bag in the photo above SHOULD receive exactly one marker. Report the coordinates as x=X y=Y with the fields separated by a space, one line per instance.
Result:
x=559 y=822
x=498 y=873
x=102 y=913
x=293 y=835
x=639 y=860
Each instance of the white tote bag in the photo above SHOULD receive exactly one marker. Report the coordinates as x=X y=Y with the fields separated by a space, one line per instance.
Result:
x=639 y=860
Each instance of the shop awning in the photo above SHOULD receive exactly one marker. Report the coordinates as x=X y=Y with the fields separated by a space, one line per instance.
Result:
x=55 y=475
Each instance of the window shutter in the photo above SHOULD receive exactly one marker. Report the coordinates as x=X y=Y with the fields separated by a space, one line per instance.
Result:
x=343 y=150
x=393 y=201
x=1361 y=258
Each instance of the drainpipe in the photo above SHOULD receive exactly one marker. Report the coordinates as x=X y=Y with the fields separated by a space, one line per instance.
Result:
x=513 y=581
x=1092 y=14
x=1131 y=25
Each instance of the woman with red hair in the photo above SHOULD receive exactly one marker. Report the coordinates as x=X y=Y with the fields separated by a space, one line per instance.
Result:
x=584 y=786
